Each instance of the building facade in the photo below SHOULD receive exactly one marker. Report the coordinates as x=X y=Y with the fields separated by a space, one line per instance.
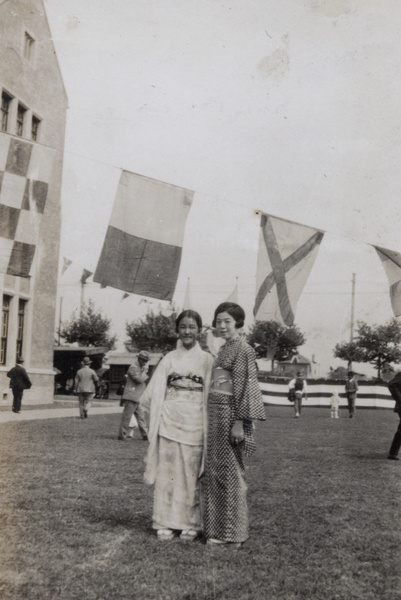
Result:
x=32 y=129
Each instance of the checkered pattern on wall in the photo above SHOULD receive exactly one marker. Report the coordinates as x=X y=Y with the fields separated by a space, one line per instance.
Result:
x=25 y=172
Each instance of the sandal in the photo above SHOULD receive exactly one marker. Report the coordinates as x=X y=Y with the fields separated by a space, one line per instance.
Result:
x=165 y=534
x=219 y=543
x=213 y=542
x=188 y=535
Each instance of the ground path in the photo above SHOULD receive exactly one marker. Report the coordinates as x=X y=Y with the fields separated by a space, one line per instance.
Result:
x=62 y=407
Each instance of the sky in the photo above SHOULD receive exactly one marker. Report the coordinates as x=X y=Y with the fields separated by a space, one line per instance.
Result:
x=290 y=107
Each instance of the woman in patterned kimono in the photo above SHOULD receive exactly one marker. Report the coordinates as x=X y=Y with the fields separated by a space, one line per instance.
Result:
x=177 y=431
x=235 y=400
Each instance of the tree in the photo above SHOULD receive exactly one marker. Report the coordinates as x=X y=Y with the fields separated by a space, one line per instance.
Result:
x=155 y=332
x=274 y=340
x=379 y=345
x=88 y=328
x=350 y=352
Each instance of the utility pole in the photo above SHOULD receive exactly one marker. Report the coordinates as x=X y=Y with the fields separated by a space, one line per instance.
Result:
x=59 y=319
x=82 y=296
x=352 y=315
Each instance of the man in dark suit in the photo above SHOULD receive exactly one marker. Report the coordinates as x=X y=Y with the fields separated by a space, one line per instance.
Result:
x=395 y=389
x=351 y=388
x=19 y=381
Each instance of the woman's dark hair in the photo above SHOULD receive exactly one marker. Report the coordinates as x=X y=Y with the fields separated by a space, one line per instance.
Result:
x=232 y=309
x=192 y=314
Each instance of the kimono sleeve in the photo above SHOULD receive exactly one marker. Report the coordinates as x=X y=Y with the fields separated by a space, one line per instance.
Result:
x=246 y=390
x=157 y=385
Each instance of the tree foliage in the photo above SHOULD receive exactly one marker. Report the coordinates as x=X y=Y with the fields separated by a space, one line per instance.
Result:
x=275 y=341
x=155 y=332
x=88 y=328
x=379 y=345
x=350 y=352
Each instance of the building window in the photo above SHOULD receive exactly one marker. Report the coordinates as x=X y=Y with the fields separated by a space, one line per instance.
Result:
x=28 y=46
x=20 y=119
x=20 y=331
x=5 y=110
x=35 y=128
x=4 y=328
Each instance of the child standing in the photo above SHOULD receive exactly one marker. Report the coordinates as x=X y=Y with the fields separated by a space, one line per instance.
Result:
x=334 y=404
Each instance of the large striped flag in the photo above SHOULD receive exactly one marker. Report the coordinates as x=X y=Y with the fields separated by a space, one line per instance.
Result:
x=143 y=245
x=286 y=255
x=391 y=262
x=25 y=171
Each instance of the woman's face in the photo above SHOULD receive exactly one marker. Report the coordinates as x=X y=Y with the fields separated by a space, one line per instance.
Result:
x=225 y=326
x=188 y=332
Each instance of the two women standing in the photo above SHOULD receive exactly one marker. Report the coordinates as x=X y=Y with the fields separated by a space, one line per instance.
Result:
x=193 y=410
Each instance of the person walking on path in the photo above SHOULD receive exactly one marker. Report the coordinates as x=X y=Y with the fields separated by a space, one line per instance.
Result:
x=137 y=376
x=334 y=404
x=298 y=386
x=351 y=388
x=234 y=402
x=19 y=381
x=395 y=390
x=85 y=386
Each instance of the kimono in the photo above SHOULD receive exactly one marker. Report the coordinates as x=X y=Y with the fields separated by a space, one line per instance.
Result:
x=177 y=395
x=234 y=395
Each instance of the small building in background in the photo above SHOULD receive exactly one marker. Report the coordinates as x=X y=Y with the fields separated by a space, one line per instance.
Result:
x=32 y=129
x=307 y=367
x=68 y=360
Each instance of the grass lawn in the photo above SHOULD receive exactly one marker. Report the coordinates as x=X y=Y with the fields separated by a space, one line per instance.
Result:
x=324 y=510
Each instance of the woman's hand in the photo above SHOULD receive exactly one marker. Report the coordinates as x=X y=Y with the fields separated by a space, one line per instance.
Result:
x=237 y=433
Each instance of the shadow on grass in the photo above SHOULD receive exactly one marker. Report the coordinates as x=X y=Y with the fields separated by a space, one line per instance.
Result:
x=139 y=521
x=373 y=456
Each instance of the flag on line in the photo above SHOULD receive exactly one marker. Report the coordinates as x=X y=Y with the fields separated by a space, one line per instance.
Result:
x=391 y=262
x=143 y=245
x=66 y=263
x=286 y=255
x=25 y=171
x=85 y=275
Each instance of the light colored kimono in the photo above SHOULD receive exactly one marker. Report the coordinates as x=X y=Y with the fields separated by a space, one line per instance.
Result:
x=177 y=436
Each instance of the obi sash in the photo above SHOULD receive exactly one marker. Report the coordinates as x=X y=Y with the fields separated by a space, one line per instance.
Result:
x=222 y=382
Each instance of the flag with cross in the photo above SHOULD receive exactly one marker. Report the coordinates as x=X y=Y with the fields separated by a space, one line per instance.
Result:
x=287 y=252
x=25 y=172
x=391 y=262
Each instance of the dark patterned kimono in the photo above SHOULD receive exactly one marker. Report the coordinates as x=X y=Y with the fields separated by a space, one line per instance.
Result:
x=226 y=511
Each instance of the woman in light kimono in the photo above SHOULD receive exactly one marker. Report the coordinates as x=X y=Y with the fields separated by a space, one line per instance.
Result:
x=177 y=429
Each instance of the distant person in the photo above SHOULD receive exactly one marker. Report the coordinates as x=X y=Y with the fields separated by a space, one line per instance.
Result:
x=334 y=404
x=137 y=376
x=299 y=390
x=85 y=386
x=351 y=388
x=19 y=381
x=395 y=389
x=121 y=387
